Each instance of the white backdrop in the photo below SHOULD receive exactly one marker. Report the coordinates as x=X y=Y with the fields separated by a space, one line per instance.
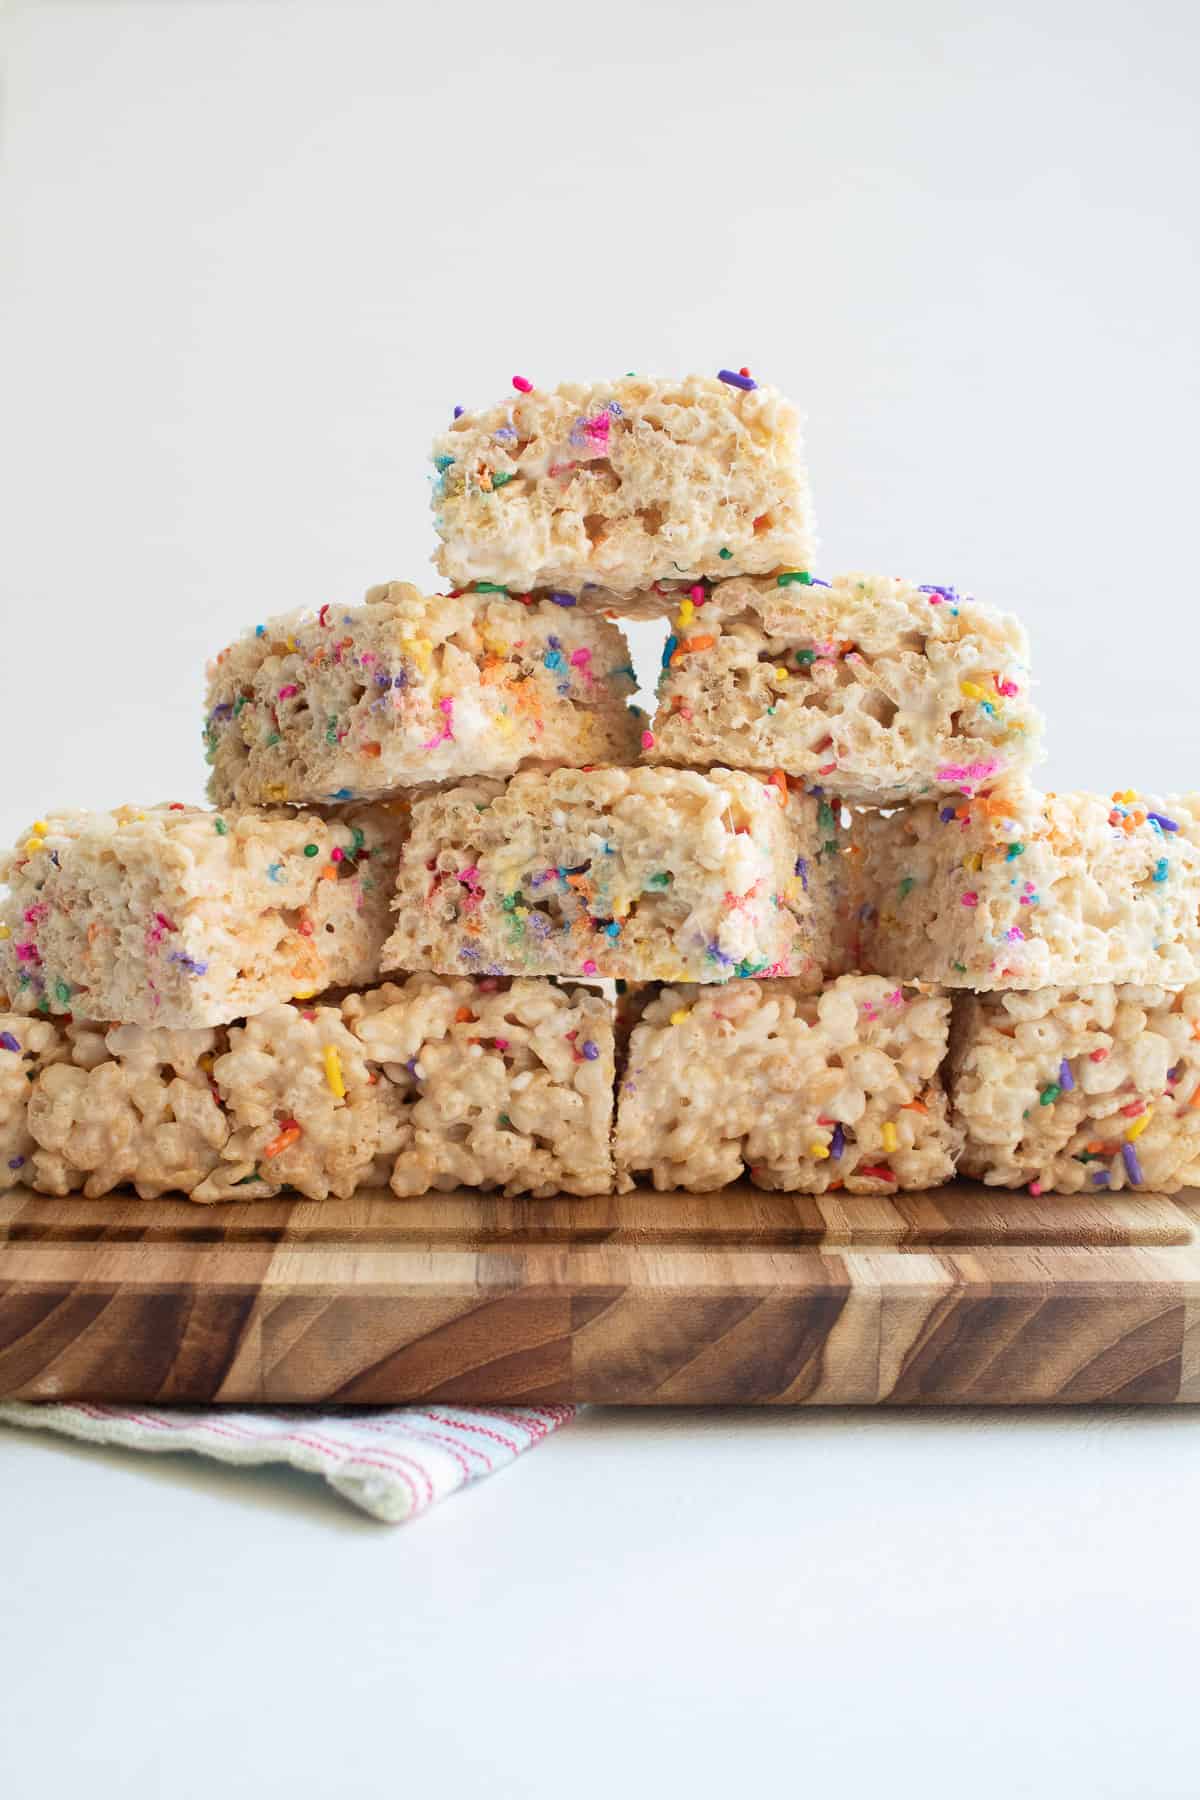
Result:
x=254 y=253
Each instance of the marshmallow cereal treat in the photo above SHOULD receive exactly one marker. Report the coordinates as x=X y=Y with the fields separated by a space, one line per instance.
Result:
x=638 y=873
x=173 y=916
x=595 y=492
x=1017 y=889
x=884 y=691
x=354 y=702
x=1079 y=1090
x=804 y=1093
x=426 y=1084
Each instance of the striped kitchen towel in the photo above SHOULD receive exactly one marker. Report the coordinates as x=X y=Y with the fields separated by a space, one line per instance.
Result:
x=394 y=1463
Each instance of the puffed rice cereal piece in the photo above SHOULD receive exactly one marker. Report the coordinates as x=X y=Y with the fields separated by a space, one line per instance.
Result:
x=359 y=702
x=804 y=1093
x=1017 y=889
x=878 y=689
x=596 y=491
x=638 y=873
x=173 y=916
x=1085 y=1090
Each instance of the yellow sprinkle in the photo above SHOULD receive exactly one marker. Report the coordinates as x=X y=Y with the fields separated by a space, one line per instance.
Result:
x=304 y=993
x=820 y=1151
x=889 y=1137
x=333 y=1072
x=291 y=643
x=5 y=932
x=206 y=1062
x=1139 y=1125
x=677 y=1018
x=972 y=863
x=40 y=826
x=972 y=690
x=276 y=791
x=1125 y=798
x=781 y=674
x=34 y=845
x=687 y=612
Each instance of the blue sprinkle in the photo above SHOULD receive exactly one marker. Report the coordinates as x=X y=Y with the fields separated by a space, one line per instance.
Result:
x=442 y=463
x=1161 y=868
x=716 y=954
x=612 y=929
x=669 y=649
x=273 y=870
x=946 y=814
x=342 y=793
x=552 y=659
x=1066 y=1080
x=260 y=631
x=735 y=380
x=188 y=963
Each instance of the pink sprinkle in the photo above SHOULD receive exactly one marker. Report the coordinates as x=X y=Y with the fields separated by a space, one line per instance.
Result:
x=896 y=997
x=647 y=740
x=971 y=899
x=285 y=693
x=1015 y=935
x=36 y=913
x=500 y=1043
x=972 y=772
x=337 y=855
x=589 y=967
x=28 y=953
x=697 y=594
x=1097 y=1055
x=1006 y=687
x=1035 y=1188
x=165 y=922
x=579 y=657
x=522 y=385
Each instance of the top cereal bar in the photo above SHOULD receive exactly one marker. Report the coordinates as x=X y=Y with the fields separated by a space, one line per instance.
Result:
x=597 y=491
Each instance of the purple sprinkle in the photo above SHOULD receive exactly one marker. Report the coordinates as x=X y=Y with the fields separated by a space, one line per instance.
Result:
x=459 y=411
x=1066 y=1080
x=188 y=963
x=837 y=1142
x=561 y=599
x=16 y=1162
x=1101 y=1177
x=1132 y=1166
x=9 y=1042
x=801 y=870
x=946 y=814
x=715 y=951
x=1173 y=1074
x=745 y=382
x=411 y=1066
x=1163 y=823
x=590 y=1050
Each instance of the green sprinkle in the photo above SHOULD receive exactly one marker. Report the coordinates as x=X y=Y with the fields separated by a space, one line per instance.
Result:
x=490 y=587
x=961 y=968
x=504 y=1119
x=220 y=827
x=273 y=739
x=724 y=555
x=907 y=886
x=794 y=578
x=1014 y=850
x=442 y=463
x=662 y=879
x=806 y=656
x=238 y=704
x=1050 y=1094
x=331 y=730
x=500 y=480
x=62 y=992
x=311 y=850
x=825 y=816
x=359 y=839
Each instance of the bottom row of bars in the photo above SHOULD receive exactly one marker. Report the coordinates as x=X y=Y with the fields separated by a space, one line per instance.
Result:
x=526 y=1086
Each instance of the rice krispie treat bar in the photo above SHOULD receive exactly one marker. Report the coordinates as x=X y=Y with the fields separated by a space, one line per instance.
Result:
x=802 y=1093
x=359 y=702
x=27 y=1046
x=428 y=1083
x=176 y=916
x=599 y=490
x=882 y=690
x=637 y=873
x=1017 y=889
x=1084 y=1090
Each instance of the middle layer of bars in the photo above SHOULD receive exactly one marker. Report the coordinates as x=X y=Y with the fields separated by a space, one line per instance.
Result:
x=643 y=874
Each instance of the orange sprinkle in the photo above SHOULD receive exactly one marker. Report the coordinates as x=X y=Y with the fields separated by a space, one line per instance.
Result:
x=914 y=1106
x=371 y=750
x=689 y=645
x=1195 y=1099
x=778 y=779
x=464 y=1016
x=288 y=1136
x=329 y=872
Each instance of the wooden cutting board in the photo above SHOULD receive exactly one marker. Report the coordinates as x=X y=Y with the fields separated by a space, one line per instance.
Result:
x=959 y=1295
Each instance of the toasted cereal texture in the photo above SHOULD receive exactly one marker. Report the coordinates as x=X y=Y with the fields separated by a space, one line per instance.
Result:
x=637 y=873
x=427 y=1084
x=1085 y=1090
x=492 y=1085
x=1024 y=890
x=801 y=1092
x=354 y=702
x=27 y=1047
x=173 y=916
x=599 y=490
x=879 y=689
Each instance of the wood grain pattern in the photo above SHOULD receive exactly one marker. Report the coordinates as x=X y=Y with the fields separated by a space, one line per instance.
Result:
x=963 y=1295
